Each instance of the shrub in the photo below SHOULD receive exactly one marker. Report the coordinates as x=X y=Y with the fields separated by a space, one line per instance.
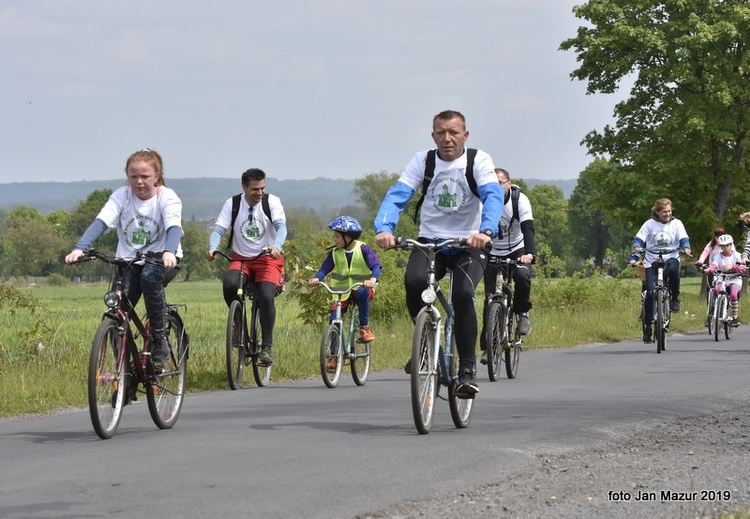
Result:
x=57 y=280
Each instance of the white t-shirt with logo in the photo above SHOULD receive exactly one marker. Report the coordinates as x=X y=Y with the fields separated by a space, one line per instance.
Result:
x=142 y=224
x=722 y=262
x=509 y=237
x=656 y=234
x=450 y=209
x=252 y=229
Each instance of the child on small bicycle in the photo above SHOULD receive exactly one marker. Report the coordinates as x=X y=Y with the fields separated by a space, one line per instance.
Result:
x=728 y=262
x=349 y=262
x=148 y=218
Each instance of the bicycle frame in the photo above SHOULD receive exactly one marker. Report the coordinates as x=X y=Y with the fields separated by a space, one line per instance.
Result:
x=503 y=327
x=344 y=342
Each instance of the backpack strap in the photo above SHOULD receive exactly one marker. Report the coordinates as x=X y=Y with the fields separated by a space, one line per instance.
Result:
x=236 y=199
x=429 y=172
x=266 y=207
x=515 y=192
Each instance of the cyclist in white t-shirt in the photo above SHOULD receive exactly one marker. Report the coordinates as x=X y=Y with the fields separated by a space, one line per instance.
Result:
x=148 y=218
x=252 y=231
x=451 y=210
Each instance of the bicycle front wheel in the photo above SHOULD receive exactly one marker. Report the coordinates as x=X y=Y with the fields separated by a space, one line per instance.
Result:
x=513 y=347
x=261 y=372
x=107 y=379
x=331 y=356
x=659 y=334
x=424 y=372
x=166 y=392
x=718 y=316
x=235 y=344
x=460 y=407
x=495 y=329
x=359 y=352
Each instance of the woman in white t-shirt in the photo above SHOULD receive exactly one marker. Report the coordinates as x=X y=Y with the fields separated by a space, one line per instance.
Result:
x=148 y=218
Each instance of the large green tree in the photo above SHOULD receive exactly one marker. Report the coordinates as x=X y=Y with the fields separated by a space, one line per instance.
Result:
x=682 y=130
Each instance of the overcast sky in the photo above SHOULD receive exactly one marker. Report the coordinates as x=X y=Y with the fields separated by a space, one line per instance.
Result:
x=299 y=88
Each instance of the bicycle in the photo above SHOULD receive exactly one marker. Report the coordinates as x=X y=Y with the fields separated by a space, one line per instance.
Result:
x=503 y=341
x=719 y=317
x=662 y=314
x=432 y=364
x=242 y=344
x=117 y=366
x=339 y=343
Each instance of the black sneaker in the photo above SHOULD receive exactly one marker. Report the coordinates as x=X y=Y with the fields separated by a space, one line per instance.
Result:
x=266 y=356
x=160 y=352
x=483 y=358
x=407 y=368
x=467 y=385
x=647 y=335
x=674 y=305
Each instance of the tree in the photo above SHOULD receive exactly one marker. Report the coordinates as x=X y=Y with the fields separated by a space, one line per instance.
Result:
x=550 y=210
x=371 y=190
x=194 y=246
x=681 y=133
x=32 y=243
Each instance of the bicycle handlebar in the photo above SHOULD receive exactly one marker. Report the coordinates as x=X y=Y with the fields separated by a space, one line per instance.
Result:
x=408 y=243
x=92 y=254
x=339 y=291
x=265 y=251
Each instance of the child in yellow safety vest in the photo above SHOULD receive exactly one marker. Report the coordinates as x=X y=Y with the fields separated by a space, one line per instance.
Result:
x=349 y=262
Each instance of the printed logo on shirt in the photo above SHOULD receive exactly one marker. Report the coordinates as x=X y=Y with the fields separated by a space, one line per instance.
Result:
x=253 y=229
x=140 y=232
x=448 y=195
x=662 y=239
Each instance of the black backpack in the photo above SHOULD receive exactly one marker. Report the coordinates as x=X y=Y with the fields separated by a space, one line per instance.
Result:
x=236 y=199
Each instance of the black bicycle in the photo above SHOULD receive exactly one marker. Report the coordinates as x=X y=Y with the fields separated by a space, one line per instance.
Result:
x=243 y=343
x=503 y=341
x=118 y=364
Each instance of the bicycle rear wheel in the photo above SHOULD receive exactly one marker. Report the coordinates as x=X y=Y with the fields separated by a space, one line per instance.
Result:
x=460 y=407
x=513 y=347
x=331 y=356
x=718 y=316
x=424 y=383
x=235 y=344
x=495 y=333
x=107 y=379
x=261 y=372
x=166 y=392
x=359 y=352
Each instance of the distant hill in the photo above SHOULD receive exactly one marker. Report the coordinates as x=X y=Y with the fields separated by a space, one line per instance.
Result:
x=202 y=198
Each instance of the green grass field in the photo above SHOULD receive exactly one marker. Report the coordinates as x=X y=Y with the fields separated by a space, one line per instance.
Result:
x=44 y=355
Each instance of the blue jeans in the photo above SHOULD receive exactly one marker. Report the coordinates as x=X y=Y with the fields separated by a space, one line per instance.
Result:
x=149 y=280
x=671 y=278
x=362 y=296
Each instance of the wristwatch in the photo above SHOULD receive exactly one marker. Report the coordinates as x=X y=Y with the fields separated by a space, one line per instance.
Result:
x=488 y=232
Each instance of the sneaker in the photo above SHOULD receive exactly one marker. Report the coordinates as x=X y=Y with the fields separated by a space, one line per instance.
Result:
x=160 y=352
x=707 y=323
x=524 y=324
x=674 y=305
x=266 y=356
x=331 y=364
x=467 y=385
x=483 y=358
x=407 y=368
x=365 y=332
x=647 y=335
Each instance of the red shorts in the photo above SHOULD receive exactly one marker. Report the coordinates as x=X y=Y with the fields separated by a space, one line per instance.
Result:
x=264 y=268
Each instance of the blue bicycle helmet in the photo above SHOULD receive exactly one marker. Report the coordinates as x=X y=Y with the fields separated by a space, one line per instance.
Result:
x=346 y=225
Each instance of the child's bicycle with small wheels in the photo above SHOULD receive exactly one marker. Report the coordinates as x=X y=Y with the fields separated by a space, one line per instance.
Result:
x=341 y=343
x=720 y=311
x=434 y=361
x=118 y=365
x=243 y=345
x=503 y=341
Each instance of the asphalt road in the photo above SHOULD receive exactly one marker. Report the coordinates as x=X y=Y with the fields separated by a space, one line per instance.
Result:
x=298 y=449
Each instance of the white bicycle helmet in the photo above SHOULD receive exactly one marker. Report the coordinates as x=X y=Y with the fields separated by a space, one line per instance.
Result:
x=725 y=239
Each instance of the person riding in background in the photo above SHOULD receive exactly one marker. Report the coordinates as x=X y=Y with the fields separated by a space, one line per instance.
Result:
x=710 y=250
x=148 y=218
x=451 y=210
x=664 y=231
x=728 y=261
x=515 y=240
x=351 y=261
x=256 y=222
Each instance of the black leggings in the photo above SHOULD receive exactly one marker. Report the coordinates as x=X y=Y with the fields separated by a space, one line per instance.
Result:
x=266 y=292
x=468 y=268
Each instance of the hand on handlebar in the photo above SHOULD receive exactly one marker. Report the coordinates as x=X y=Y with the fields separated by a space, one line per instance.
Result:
x=74 y=256
x=385 y=240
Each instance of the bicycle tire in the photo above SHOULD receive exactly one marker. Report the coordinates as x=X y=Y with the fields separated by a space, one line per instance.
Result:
x=331 y=356
x=424 y=373
x=107 y=381
x=235 y=345
x=512 y=348
x=728 y=330
x=495 y=329
x=460 y=407
x=359 y=352
x=261 y=372
x=718 y=313
x=165 y=394
x=659 y=324
x=710 y=314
